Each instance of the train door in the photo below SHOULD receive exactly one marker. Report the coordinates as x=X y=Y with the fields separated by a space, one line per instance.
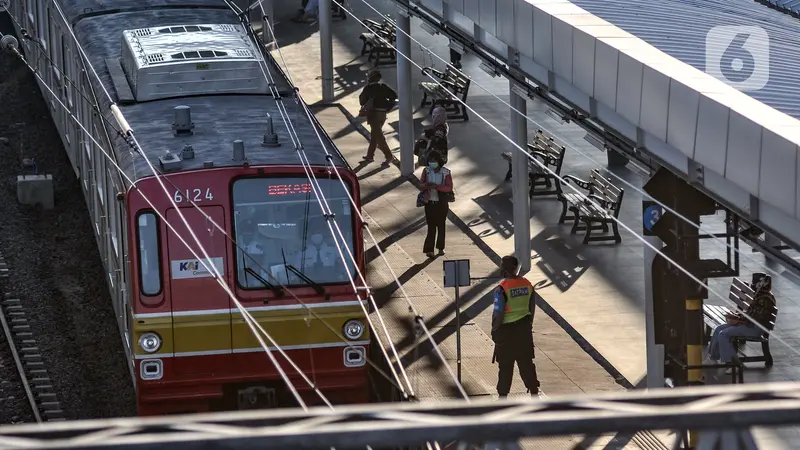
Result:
x=201 y=318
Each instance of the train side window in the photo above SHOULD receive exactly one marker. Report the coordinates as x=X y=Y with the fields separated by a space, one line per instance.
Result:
x=149 y=257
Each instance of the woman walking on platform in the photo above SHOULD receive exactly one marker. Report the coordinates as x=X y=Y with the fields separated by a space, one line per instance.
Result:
x=437 y=192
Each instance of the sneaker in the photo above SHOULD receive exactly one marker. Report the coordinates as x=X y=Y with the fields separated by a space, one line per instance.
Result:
x=386 y=163
x=708 y=361
x=441 y=252
x=367 y=159
x=429 y=254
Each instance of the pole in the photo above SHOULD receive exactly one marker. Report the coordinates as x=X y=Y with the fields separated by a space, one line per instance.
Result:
x=520 y=179
x=405 y=95
x=266 y=36
x=326 y=49
x=655 y=355
x=458 y=330
x=694 y=350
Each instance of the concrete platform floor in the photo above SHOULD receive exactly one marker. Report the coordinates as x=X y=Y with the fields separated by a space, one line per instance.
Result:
x=595 y=292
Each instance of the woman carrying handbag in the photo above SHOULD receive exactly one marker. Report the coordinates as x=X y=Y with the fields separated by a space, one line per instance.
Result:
x=436 y=194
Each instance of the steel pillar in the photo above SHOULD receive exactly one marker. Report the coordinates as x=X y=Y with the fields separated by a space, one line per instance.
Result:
x=519 y=182
x=269 y=11
x=326 y=49
x=405 y=94
x=655 y=352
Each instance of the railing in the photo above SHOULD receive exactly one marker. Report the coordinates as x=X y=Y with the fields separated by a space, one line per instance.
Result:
x=707 y=409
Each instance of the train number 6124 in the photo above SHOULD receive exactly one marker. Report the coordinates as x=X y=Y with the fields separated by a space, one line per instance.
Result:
x=192 y=195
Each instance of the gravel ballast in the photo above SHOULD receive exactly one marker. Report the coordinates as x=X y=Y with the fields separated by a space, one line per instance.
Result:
x=55 y=266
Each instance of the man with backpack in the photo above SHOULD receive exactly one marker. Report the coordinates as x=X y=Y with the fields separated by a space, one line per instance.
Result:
x=376 y=100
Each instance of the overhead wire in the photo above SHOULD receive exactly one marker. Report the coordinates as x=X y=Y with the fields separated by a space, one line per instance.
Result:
x=248 y=319
x=330 y=217
x=93 y=106
x=418 y=318
x=580 y=194
x=716 y=241
x=117 y=114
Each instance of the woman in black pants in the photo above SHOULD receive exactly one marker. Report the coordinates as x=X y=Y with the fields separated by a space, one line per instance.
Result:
x=437 y=187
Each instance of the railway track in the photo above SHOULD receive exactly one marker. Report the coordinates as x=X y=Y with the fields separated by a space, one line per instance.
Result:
x=26 y=393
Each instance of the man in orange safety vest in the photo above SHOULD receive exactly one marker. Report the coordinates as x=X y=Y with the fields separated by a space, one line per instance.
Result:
x=512 y=329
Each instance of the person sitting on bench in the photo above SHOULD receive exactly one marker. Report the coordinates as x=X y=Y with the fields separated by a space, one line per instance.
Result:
x=721 y=348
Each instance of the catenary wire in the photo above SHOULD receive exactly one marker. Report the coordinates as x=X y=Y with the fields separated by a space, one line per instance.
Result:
x=322 y=199
x=717 y=241
x=277 y=96
x=309 y=310
x=417 y=316
x=245 y=314
x=330 y=217
x=580 y=194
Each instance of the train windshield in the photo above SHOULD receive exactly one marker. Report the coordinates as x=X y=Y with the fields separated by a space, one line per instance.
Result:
x=283 y=237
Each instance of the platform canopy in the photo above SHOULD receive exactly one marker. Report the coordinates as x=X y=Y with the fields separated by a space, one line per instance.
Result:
x=639 y=67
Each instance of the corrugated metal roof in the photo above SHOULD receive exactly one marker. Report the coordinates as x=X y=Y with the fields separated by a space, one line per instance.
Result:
x=679 y=28
x=791 y=5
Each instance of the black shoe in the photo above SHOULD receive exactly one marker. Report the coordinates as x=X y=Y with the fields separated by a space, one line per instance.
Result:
x=441 y=251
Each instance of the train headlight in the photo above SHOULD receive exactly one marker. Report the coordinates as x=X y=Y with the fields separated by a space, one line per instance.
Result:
x=353 y=329
x=150 y=342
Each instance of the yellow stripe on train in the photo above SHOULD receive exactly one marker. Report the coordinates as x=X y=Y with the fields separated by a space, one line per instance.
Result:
x=223 y=332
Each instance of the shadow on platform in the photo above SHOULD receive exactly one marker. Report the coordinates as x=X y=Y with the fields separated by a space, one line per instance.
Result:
x=558 y=259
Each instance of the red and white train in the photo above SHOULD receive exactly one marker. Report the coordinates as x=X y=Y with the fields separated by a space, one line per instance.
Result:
x=187 y=77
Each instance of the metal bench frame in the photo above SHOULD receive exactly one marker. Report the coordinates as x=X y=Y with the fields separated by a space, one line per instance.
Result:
x=585 y=215
x=740 y=293
x=456 y=87
x=374 y=46
x=551 y=155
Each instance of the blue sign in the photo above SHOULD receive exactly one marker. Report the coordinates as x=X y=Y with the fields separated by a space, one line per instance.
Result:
x=651 y=216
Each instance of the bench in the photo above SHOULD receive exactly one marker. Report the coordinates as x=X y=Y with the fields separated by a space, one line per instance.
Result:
x=379 y=41
x=454 y=87
x=551 y=156
x=741 y=293
x=587 y=216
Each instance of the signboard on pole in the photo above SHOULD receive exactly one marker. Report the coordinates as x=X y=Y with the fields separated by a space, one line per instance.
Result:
x=456 y=273
x=651 y=213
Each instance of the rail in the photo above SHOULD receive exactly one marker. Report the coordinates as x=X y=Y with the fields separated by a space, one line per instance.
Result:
x=26 y=355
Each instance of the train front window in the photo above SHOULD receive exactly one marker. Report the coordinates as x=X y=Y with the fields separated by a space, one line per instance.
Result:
x=149 y=266
x=283 y=237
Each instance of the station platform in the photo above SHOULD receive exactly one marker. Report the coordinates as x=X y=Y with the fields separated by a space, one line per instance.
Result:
x=589 y=330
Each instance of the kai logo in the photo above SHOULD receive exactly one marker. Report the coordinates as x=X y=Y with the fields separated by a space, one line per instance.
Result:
x=193 y=268
x=189 y=266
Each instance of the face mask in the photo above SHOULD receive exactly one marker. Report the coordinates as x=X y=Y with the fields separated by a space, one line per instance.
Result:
x=433 y=165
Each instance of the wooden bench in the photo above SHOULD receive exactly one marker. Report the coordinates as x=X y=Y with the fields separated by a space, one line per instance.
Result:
x=587 y=216
x=551 y=156
x=740 y=293
x=453 y=86
x=379 y=41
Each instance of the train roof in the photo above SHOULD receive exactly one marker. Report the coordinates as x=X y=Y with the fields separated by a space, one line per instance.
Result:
x=151 y=38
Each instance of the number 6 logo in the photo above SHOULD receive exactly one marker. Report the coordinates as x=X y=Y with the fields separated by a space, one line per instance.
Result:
x=738 y=56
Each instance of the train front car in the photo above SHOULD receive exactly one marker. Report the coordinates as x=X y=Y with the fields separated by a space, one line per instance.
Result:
x=193 y=349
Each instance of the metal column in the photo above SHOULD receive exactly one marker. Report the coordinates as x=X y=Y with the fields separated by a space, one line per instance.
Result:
x=269 y=12
x=326 y=49
x=404 y=93
x=519 y=180
x=655 y=352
